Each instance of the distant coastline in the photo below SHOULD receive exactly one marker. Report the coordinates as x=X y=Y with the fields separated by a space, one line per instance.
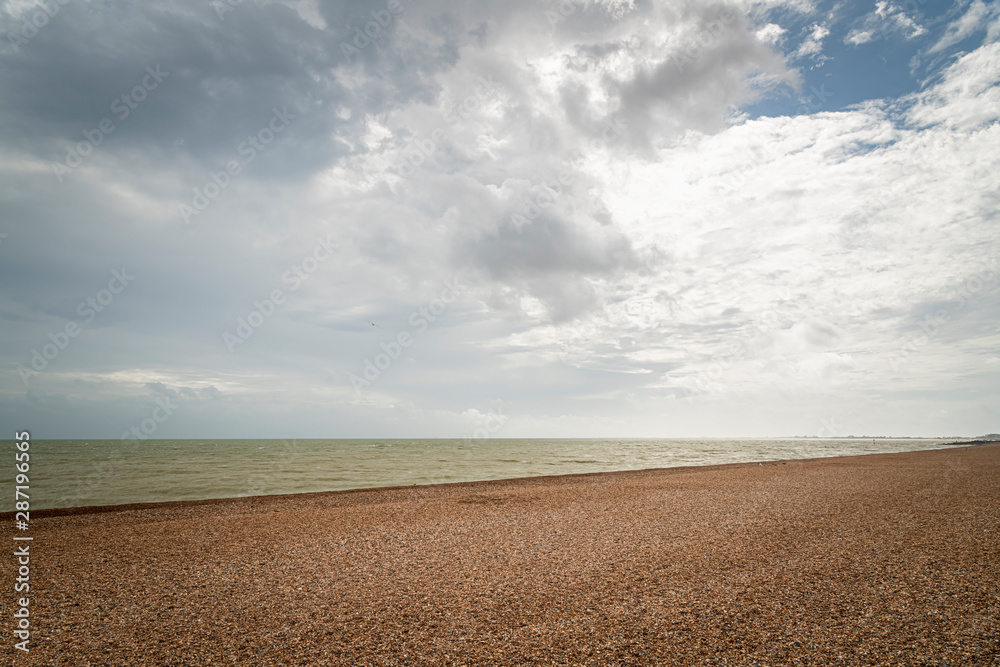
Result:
x=989 y=437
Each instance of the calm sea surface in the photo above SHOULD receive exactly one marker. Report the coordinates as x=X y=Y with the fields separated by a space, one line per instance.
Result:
x=69 y=473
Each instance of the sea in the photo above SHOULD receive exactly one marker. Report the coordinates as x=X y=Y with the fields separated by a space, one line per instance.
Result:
x=74 y=473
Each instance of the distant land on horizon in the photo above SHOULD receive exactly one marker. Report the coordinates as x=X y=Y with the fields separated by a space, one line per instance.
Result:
x=988 y=436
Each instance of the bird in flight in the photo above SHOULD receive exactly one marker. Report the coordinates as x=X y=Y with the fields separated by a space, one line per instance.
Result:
x=370 y=322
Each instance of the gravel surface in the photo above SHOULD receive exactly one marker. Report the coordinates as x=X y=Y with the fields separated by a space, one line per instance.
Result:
x=877 y=560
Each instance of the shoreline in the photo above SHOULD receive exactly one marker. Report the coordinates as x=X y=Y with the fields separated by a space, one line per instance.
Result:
x=874 y=559
x=122 y=507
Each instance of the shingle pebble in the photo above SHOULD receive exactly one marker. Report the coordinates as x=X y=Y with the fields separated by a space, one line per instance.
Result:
x=875 y=560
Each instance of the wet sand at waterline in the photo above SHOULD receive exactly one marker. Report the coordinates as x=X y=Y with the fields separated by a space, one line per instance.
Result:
x=886 y=559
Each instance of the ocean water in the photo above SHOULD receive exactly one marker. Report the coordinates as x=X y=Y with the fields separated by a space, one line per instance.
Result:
x=72 y=473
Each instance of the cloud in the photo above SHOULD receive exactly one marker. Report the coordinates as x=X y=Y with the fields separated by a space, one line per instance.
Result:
x=866 y=172
x=813 y=44
x=889 y=19
x=706 y=74
x=619 y=215
x=857 y=37
x=770 y=34
x=979 y=15
x=796 y=6
x=967 y=97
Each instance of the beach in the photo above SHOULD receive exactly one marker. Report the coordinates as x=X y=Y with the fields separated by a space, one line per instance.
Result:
x=886 y=559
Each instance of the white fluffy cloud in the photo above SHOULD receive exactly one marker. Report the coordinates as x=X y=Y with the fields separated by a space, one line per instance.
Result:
x=771 y=33
x=813 y=44
x=978 y=16
x=887 y=19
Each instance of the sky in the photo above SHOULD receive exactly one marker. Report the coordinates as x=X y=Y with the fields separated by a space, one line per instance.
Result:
x=589 y=218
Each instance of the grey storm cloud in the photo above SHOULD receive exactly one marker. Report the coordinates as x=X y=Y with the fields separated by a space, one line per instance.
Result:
x=700 y=77
x=222 y=76
x=218 y=85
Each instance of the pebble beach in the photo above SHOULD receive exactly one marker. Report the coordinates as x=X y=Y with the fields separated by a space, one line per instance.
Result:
x=888 y=559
